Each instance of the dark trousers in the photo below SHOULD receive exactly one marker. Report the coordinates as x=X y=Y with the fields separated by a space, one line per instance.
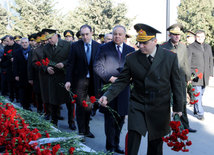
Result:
x=55 y=113
x=4 y=86
x=84 y=91
x=25 y=93
x=39 y=102
x=155 y=147
x=113 y=126
x=184 y=118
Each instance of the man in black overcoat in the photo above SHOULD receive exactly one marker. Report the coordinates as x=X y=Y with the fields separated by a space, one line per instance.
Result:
x=109 y=63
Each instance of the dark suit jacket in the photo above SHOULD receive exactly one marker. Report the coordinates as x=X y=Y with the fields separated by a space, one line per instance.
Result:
x=149 y=108
x=20 y=68
x=78 y=67
x=202 y=60
x=107 y=65
x=6 y=63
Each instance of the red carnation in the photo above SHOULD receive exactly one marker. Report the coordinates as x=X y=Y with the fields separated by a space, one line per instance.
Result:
x=84 y=104
x=93 y=99
x=73 y=101
x=196 y=70
x=200 y=75
x=9 y=51
x=196 y=95
x=71 y=150
x=74 y=96
x=38 y=63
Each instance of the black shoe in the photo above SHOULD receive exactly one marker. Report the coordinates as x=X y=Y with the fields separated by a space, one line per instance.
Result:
x=93 y=112
x=11 y=100
x=119 y=150
x=200 y=117
x=72 y=126
x=55 y=122
x=192 y=130
x=60 y=118
x=47 y=117
x=89 y=135
x=111 y=150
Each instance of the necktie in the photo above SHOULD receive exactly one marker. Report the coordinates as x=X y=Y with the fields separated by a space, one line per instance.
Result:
x=150 y=58
x=54 y=47
x=88 y=53
x=175 y=46
x=118 y=52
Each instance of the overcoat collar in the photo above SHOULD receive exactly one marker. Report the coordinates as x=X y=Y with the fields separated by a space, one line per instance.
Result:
x=159 y=56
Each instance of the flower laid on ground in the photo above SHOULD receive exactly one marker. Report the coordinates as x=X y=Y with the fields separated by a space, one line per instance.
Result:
x=190 y=90
x=178 y=138
x=24 y=136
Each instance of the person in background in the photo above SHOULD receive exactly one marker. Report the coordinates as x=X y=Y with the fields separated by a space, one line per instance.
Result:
x=108 y=65
x=190 y=38
x=108 y=37
x=69 y=35
x=17 y=39
x=57 y=51
x=175 y=45
x=201 y=61
x=20 y=73
x=8 y=79
x=80 y=77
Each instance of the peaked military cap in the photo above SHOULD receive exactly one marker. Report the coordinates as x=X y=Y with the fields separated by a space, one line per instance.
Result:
x=49 y=33
x=78 y=35
x=175 y=28
x=145 y=32
x=190 y=33
x=101 y=36
x=68 y=33
x=32 y=37
x=128 y=36
x=17 y=37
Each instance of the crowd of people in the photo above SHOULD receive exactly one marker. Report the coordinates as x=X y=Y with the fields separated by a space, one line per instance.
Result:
x=146 y=80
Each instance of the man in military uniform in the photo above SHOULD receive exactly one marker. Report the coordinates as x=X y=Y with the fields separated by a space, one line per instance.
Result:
x=174 y=44
x=79 y=37
x=17 y=39
x=69 y=36
x=190 y=37
x=154 y=74
x=57 y=51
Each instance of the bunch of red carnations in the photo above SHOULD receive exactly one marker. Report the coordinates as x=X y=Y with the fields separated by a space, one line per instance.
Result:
x=178 y=138
x=15 y=135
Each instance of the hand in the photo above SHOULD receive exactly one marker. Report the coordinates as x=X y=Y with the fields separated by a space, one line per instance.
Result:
x=103 y=101
x=17 y=78
x=67 y=86
x=112 y=79
x=30 y=81
x=179 y=113
x=59 y=65
x=189 y=82
x=50 y=70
